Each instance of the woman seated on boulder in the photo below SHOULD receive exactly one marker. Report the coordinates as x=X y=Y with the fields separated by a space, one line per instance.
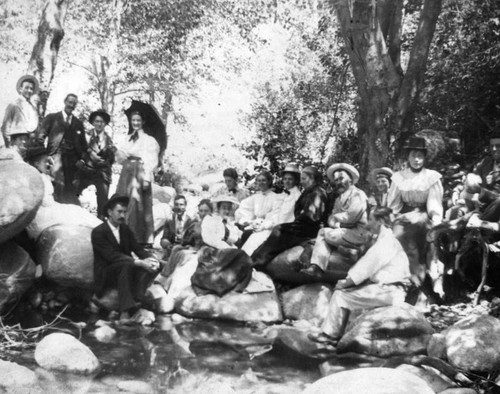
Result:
x=381 y=178
x=221 y=266
x=52 y=212
x=416 y=199
x=282 y=212
x=309 y=212
x=218 y=230
x=252 y=210
x=379 y=278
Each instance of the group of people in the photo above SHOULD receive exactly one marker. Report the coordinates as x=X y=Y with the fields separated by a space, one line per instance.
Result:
x=384 y=237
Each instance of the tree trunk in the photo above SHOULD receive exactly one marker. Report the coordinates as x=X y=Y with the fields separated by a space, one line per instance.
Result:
x=43 y=59
x=387 y=96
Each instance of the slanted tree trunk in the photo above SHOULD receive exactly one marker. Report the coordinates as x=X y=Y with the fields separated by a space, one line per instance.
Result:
x=388 y=95
x=43 y=59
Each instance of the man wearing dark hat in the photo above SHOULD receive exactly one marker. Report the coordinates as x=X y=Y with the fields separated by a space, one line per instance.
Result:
x=21 y=116
x=114 y=263
x=97 y=155
x=347 y=221
x=62 y=129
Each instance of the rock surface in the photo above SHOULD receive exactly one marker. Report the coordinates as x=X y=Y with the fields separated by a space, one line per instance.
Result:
x=308 y=302
x=387 y=331
x=256 y=307
x=16 y=378
x=370 y=380
x=17 y=272
x=473 y=343
x=437 y=345
x=284 y=268
x=66 y=255
x=437 y=381
x=21 y=194
x=104 y=334
x=135 y=386
x=63 y=352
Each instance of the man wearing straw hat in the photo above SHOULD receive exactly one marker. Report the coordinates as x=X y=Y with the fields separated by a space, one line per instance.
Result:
x=21 y=116
x=347 y=221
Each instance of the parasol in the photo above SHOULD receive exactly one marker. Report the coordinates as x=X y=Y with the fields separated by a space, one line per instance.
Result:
x=153 y=125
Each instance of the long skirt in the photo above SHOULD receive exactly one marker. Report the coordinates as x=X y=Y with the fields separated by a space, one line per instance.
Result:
x=140 y=208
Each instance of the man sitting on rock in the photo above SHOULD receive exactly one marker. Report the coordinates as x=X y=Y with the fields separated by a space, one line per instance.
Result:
x=346 y=229
x=119 y=261
x=378 y=279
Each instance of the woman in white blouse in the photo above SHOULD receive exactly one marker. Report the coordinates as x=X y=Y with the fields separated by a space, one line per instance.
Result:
x=218 y=230
x=416 y=199
x=282 y=212
x=139 y=157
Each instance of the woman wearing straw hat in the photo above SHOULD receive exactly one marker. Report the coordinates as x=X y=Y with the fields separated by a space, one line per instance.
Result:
x=282 y=211
x=309 y=213
x=218 y=230
x=97 y=154
x=415 y=197
x=21 y=116
x=381 y=178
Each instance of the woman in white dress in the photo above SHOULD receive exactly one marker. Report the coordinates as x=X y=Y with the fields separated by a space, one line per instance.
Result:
x=282 y=212
x=219 y=230
x=139 y=157
x=415 y=197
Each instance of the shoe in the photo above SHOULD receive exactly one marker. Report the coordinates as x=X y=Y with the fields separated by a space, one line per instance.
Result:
x=313 y=270
x=321 y=337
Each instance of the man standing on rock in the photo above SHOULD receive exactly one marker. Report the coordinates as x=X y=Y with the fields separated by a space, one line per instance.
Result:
x=21 y=116
x=119 y=261
x=378 y=279
x=62 y=129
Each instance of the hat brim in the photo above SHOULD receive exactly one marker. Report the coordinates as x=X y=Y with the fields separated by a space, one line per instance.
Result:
x=104 y=115
x=229 y=199
x=343 y=166
x=382 y=172
x=30 y=78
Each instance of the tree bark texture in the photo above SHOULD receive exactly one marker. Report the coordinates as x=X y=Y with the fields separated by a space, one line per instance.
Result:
x=387 y=95
x=43 y=59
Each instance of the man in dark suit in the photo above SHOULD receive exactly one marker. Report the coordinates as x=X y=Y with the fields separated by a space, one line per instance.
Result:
x=174 y=228
x=119 y=261
x=62 y=129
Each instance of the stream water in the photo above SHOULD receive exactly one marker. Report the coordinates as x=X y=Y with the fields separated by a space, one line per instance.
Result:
x=197 y=356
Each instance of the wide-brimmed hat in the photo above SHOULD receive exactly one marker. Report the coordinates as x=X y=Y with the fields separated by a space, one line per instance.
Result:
x=226 y=198
x=35 y=152
x=115 y=199
x=416 y=143
x=30 y=78
x=346 y=167
x=100 y=112
x=291 y=167
x=382 y=171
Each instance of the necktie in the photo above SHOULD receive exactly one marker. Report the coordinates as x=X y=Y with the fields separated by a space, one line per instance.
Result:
x=224 y=221
x=134 y=137
x=286 y=191
x=232 y=191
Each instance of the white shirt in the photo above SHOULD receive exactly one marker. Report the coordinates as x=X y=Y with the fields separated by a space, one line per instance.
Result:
x=385 y=262
x=147 y=149
x=179 y=226
x=67 y=118
x=213 y=232
x=256 y=206
x=115 y=231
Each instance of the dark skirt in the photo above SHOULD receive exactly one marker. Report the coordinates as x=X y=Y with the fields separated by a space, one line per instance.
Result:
x=221 y=271
x=140 y=207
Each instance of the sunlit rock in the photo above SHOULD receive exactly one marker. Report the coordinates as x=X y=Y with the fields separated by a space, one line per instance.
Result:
x=308 y=302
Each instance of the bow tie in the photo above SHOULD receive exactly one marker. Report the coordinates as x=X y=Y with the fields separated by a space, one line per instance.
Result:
x=286 y=191
x=179 y=217
x=133 y=137
x=232 y=191
x=224 y=221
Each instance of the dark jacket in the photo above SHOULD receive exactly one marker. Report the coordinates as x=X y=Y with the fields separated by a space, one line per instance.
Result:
x=485 y=168
x=169 y=228
x=61 y=136
x=106 y=153
x=107 y=251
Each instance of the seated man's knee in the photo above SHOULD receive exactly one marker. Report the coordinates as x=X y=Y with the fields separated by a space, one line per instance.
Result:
x=333 y=236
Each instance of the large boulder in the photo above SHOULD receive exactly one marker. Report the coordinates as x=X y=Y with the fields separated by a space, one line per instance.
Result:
x=66 y=255
x=16 y=378
x=21 y=194
x=370 y=380
x=473 y=343
x=387 y=331
x=285 y=268
x=63 y=352
x=17 y=272
x=308 y=302
x=254 y=307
